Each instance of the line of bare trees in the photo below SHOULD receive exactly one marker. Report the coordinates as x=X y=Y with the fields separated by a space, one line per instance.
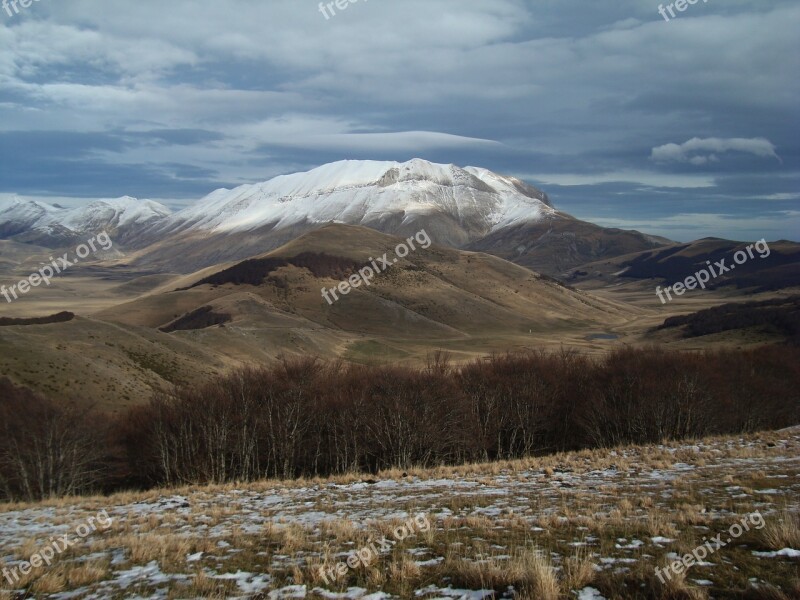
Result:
x=47 y=450
x=306 y=417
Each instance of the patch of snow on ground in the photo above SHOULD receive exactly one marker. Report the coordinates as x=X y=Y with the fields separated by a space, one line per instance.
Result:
x=449 y=593
x=290 y=591
x=589 y=593
x=787 y=552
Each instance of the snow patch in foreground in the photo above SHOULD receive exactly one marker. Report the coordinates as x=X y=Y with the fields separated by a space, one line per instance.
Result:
x=448 y=593
x=589 y=593
x=787 y=552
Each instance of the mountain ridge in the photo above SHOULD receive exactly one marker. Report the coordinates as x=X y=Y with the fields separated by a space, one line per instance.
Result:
x=34 y=221
x=469 y=207
x=364 y=193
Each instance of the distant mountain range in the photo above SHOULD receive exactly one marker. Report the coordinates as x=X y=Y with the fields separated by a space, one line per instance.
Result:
x=35 y=222
x=469 y=208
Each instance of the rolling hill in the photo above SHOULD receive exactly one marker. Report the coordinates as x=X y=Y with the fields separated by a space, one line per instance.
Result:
x=469 y=304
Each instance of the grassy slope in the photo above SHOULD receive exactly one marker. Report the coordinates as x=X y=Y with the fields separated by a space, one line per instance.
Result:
x=471 y=304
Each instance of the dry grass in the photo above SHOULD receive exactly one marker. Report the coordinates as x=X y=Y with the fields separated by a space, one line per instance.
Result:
x=676 y=588
x=376 y=578
x=61 y=577
x=529 y=570
x=783 y=532
x=770 y=592
x=169 y=550
x=542 y=583
x=659 y=523
x=693 y=514
x=28 y=549
x=339 y=530
x=67 y=576
x=578 y=571
x=316 y=570
x=487 y=574
x=204 y=586
x=615 y=508
x=404 y=573
x=294 y=538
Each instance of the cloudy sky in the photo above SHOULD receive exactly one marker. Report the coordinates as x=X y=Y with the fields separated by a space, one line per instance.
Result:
x=687 y=128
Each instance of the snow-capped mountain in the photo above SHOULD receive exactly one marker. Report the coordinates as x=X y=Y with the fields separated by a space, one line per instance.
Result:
x=50 y=224
x=459 y=207
x=120 y=213
x=454 y=205
x=465 y=203
x=19 y=216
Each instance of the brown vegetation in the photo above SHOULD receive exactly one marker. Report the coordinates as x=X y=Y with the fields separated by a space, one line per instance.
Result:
x=61 y=317
x=307 y=418
x=255 y=270
x=197 y=319
x=46 y=449
x=779 y=315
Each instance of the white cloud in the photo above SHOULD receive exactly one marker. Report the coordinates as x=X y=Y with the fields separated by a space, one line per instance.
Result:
x=396 y=141
x=701 y=151
x=780 y=196
x=323 y=132
x=645 y=178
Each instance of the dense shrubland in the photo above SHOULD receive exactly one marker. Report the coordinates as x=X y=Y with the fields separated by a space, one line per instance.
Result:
x=306 y=417
x=61 y=317
x=779 y=316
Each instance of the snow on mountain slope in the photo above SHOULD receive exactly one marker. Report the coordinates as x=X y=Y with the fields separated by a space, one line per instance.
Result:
x=19 y=216
x=117 y=213
x=459 y=204
x=34 y=218
x=466 y=207
x=368 y=193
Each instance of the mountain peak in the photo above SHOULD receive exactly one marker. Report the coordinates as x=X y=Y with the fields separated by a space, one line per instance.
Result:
x=370 y=193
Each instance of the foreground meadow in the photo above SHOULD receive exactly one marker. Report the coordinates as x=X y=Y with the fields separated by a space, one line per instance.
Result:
x=589 y=525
